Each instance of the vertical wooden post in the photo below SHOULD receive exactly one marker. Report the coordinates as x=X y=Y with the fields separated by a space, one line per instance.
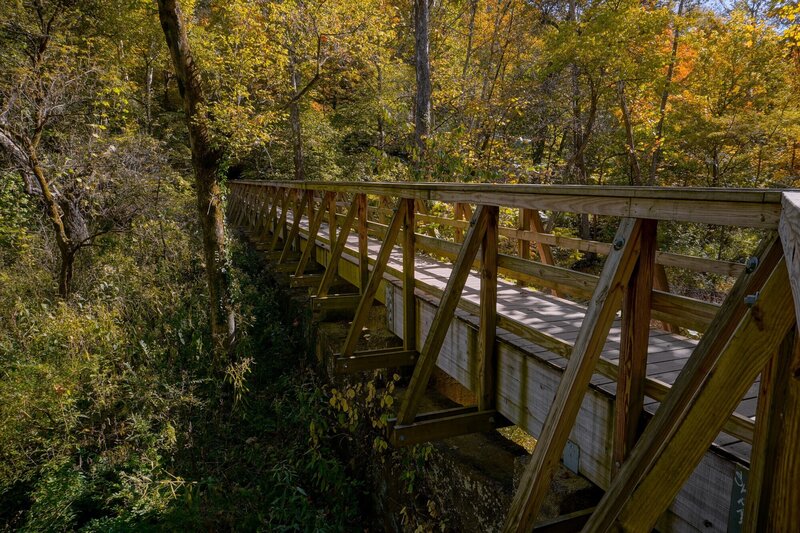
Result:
x=661 y=283
x=280 y=228
x=332 y=218
x=525 y=224
x=487 y=360
x=266 y=220
x=443 y=317
x=574 y=382
x=278 y=199
x=409 y=300
x=368 y=294
x=363 y=251
x=336 y=251
x=458 y=233
x=313 y=230
x=773 y=491
x=629 y=401
x=294 y=233
x=686 y=388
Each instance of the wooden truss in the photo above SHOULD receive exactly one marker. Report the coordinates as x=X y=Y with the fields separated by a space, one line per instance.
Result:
x=752 y=333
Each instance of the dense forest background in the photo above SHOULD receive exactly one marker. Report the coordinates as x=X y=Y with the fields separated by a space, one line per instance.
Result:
x=117 y=409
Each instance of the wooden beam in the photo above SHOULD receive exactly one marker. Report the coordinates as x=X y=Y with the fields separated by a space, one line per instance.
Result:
x=263 y=222
x=409 y=267
x=524 y=245
x=754 y=342
x=368 y=294
x=487 y=356
x=629 y=400
x=336 y=251
x=295 y=231
x=362 y=361
x=730 y=207
x=575 y=380
x=305 y=280
x=773 y=491
x=335 y=302
x=568 y=523
x=445 y=424
x=443 y=317
x=363 y=250
x=313 y=230
x=688 y=384
x=281 y=225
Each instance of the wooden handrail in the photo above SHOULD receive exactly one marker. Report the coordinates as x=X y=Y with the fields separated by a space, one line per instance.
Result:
x=739 y=337
x=754 y=208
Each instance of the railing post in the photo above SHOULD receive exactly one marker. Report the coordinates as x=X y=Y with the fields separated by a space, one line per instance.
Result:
x=772 y=484
x=313 y=230
x=363 y=251
x=332 y=218
x=409 y=300
x=636 y=304
x=525 y=225
x=487 y=360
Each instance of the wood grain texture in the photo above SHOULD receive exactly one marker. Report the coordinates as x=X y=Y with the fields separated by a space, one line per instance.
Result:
x=594 y=329
x=452 y=293
x=758 y=335
x=487 y=359
x=773 y=491
x=691 y=379
x=733 y=207
x=632 y=370
x=368 y=294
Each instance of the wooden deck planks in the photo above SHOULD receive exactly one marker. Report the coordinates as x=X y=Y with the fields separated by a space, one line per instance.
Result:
x=562 y=319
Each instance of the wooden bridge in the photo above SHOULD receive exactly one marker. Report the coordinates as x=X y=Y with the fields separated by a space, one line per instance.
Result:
x=688 y=426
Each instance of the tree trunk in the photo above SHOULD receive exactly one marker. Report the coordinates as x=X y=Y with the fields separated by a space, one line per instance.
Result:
x=662 y=110
x=295 y=122
x=206 y=162
x=423 y=113
x=633 y=161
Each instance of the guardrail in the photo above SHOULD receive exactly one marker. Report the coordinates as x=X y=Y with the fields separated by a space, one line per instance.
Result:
x=750 y=332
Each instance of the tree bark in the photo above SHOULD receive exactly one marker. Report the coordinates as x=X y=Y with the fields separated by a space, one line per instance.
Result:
x=295 y=122
x=206 y=163
x=633 y=161
x=662 y=110
x=423 y=113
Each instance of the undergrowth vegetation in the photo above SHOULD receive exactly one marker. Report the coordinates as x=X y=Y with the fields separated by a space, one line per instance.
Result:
x=112 y=418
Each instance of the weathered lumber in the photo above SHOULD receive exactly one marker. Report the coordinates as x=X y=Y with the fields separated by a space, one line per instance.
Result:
x=691 y=379
x=409 y=258
x=772 y=485
x=561 y=417
x=487 y=356
x=632 y=370
x=758 y=335
x=732 y=207
x=443 y=424
x=368 y=294
x=444 y=314
x=313 y=229
x=336 y=251
x=295 y=231
x=363 y=257
x=363 y=361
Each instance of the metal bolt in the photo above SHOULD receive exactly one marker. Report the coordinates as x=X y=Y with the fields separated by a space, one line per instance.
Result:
x=751 y=264
x=751 y=299
x=619 y=243
x=402 y=438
